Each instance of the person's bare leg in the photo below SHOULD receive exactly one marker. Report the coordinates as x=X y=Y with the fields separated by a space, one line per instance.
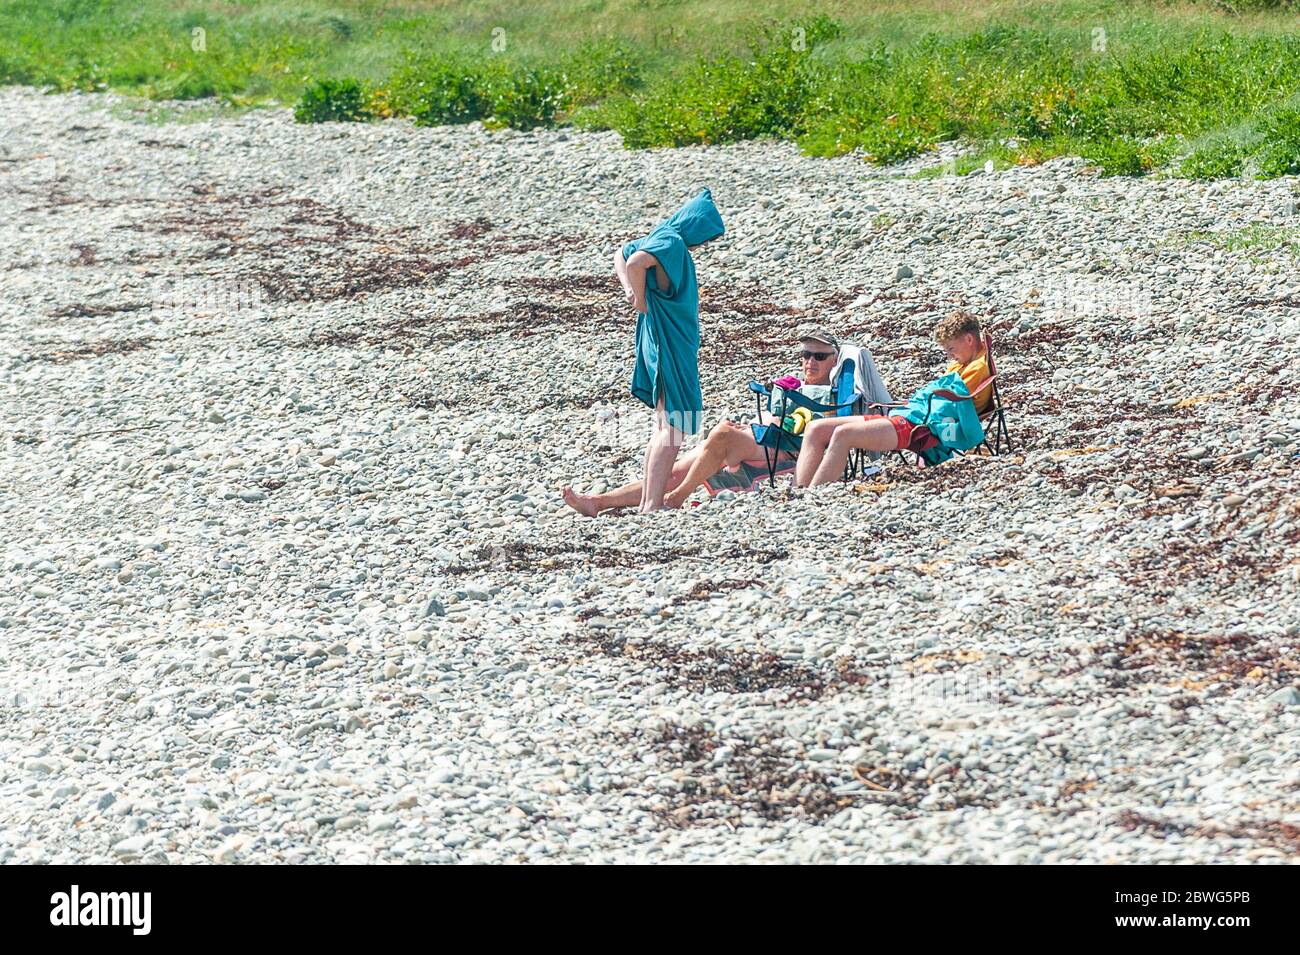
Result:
x=816 y=436
x=626 y=496
x=874 y=435
x=726 y=446
x=645 y=463
x=661 y=452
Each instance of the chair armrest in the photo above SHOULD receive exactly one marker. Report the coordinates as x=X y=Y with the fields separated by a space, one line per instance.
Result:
x=802 y=401
x=797 y=400
x=947 y=395
x=886 y=404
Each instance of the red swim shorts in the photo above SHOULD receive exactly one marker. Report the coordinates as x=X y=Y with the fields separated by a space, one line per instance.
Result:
x=910 y=437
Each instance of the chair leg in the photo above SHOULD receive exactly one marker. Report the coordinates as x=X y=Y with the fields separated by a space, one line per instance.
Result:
x=854 y=465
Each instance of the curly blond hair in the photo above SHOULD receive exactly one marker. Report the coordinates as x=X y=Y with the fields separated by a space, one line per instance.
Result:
x=954 y=324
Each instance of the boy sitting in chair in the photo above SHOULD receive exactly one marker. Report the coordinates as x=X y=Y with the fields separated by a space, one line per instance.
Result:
x=933 y=431
x=729 y=445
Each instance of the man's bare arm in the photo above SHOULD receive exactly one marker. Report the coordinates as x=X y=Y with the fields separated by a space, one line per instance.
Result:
x=644 y=260
x=636 y=284
x=620 y=269
x=636 y=270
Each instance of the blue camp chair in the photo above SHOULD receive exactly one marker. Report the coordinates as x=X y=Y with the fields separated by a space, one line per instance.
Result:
x=774 y=440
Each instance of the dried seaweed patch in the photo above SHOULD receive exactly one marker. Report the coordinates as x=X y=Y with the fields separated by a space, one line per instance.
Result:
x=714 y=670
x=1271 y=833
x=78 y=310
x=521 y=555
x=108 y=346
x=756 y=779
x=705 y=589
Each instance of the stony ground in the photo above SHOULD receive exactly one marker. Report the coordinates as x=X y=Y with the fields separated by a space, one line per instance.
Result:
x=286 y=576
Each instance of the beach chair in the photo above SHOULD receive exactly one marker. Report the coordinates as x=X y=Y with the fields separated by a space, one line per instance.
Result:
x=774 y=440
x=994 y=414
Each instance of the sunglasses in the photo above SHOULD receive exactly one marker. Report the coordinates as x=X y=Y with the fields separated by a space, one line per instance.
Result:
x=818 y=355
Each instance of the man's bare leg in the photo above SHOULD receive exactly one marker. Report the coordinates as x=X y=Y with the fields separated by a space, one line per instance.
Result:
x=660 y=455
x=628 y=495
x=726 y=446
x=828 y=441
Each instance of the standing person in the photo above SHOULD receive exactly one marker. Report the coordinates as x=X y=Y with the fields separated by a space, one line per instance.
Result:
x=658 y=278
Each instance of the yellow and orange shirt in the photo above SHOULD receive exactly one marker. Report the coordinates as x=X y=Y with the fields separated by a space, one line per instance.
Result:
x=974 y=373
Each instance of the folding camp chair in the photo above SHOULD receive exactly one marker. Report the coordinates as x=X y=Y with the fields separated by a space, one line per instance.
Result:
x=774 y=440
x=994 y=413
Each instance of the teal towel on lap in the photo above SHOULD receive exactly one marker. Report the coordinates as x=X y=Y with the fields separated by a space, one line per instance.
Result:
x=954 y=423
x=668 y=333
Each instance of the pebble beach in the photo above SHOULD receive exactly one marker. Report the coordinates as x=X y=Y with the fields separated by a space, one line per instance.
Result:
x=287 y=576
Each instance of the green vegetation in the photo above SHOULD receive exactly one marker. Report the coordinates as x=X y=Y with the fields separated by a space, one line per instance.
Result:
x=1222 y=158
x=1260 y=238
x=333 y=100
x=1203 y=90
x=1001 y=156
x=1279 y=154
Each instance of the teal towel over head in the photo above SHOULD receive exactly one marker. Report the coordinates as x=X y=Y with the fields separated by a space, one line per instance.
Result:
x=668 y=332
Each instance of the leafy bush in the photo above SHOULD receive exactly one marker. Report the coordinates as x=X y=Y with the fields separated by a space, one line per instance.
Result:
x=729 y=98
x=441 y=91
x=1280 y=154
x=601 y=68
x=524 y=97
x=1220 y=159
x=1122 y=156
x=329 y=101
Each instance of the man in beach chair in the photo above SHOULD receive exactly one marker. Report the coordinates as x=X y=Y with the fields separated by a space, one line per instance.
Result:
x=856 y=384
x=940 y=419
x=730 y=457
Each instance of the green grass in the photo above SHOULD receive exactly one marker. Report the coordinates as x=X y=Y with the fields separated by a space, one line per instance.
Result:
x=153 y=113
x=1203 y=90
x=1001 y=156
x=1260 y=238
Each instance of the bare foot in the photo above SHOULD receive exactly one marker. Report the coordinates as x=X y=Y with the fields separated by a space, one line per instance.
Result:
x=584 y=504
